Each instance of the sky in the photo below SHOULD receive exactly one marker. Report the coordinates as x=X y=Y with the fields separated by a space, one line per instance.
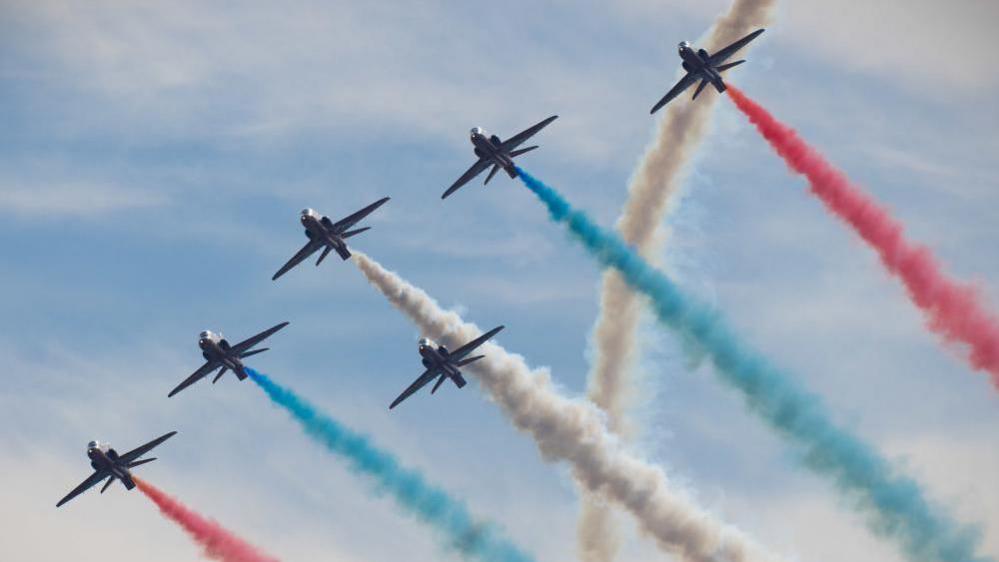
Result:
x=156 y=155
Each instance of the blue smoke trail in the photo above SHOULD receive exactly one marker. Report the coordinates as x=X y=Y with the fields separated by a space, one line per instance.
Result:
x=894 y=504
x=430 y=504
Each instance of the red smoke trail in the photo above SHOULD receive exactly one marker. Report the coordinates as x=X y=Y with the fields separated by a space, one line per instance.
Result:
x=953 y=310
x=219 y=544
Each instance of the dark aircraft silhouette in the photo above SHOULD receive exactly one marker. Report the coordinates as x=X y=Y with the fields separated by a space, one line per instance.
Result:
x=218 y=353
x=496 y=153
x=442 y=364
x=326 y=234
x=704 y=67
x=107 y=463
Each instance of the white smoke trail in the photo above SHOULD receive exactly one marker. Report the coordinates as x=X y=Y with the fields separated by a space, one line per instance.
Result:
x=574 y=431
x=653 y=187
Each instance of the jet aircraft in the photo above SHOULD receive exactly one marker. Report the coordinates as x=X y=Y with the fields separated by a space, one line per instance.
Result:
x=496 y=153
x=326 y=234
x=107 y=463
x=218 y=353
x=700 y=65
x=443 y=364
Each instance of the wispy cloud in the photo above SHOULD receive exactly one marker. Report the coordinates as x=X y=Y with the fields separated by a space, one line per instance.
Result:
x=74 y=200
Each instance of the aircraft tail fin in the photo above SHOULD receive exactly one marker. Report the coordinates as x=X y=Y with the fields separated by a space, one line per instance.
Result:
x=108 y=483
x=464 y=362
x=326 y=252
x=128 y=482
x=491 y=174
x=724 y=67
x=143 y=461
x=343 y=251
x=700 y=87
x=354 y=232
x=459 y=380
x=218 y=376
x=254 y=352
x=522 y=151
x=440 y=381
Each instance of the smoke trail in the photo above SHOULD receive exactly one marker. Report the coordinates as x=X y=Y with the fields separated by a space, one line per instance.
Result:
x=953 y=310
x=894 y=504
x=432 y=505
x=217 y=543
x=574 y=431
x=653 y=188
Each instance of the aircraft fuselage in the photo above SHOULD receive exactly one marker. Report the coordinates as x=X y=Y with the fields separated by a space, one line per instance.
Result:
x=217 y=349
x=316 y=230
x=491 y=149
x=105 y=460
x=437 y=358
x=697 y=62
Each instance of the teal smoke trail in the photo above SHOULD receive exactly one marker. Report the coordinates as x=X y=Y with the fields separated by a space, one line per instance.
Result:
x=433 y=506
x=894 y=504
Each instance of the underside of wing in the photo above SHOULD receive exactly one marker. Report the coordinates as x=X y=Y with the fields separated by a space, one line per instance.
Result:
x=196 y=376
x=518 y=139
x=419 y=383
x=90 y=482
x=684 y=83
x=470 y=346
x=248 y=343
x=723 y=54
x=351 y=220
x=475 y=170
x=143 y=449
x=310 y=248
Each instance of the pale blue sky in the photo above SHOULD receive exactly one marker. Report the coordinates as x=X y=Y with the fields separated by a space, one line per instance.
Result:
x=155 y=159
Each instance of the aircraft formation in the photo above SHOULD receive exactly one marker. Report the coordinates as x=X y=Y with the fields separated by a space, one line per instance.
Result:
x=324 y=235
x=328 y=236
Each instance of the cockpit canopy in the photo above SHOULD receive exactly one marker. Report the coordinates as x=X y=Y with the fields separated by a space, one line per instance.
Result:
x=93 y=445
x=207 y=336
x=478 y=131
x=684 y=45
x=425 y=343
x=310 y=213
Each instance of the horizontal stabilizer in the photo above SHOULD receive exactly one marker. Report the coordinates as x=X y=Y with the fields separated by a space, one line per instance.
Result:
x=107 y=484
x=354 y=232
x=440 y=381
x=143 y=461
x=699 y=88
x=464 y=362
x=725 y=67
x=218 y=376
x=254 y=352
x=522 y=151
x=491 y=174
x=325 y=253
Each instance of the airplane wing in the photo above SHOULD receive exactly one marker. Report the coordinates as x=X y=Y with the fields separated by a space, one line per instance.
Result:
x=307 y=250
x=90 y=482
x=684 y=83
x=468 y=347
x=518 y=139
x=349 y=221
x=723 y=55
x=476 y=169
x=137 y=452
x=419 y=383
x=196 y=376
x=248 y=343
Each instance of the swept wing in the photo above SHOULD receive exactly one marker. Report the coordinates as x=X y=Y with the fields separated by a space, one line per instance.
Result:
x=310 y=248
x=419 y=383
